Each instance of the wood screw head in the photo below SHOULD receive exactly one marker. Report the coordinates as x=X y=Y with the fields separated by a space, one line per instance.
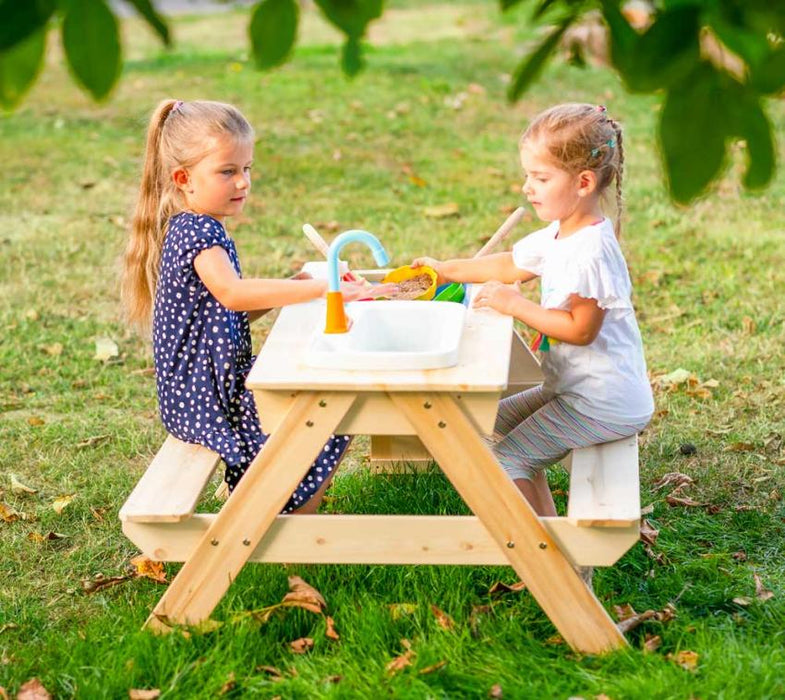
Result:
x=214 y=542
x=511 y=545
x=247 y=542
x=442 y=424
x=427 y=404
x=322 y=403
x=543 y=545
x=309 y=423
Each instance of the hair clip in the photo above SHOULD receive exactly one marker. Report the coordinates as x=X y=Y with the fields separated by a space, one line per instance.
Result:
x=177 y=105
x=595 y=152
x=611 y=143
x=600 y=108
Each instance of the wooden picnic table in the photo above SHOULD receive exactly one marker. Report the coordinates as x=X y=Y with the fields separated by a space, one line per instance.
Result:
x=448 y=410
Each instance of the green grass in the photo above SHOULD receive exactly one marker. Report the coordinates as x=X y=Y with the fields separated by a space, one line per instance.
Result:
x=708 y=284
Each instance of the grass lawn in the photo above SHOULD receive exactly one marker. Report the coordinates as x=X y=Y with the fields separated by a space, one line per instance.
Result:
x=426 y=124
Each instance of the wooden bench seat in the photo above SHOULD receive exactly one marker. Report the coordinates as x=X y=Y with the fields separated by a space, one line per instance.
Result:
x=170 y=488
x=601 y=524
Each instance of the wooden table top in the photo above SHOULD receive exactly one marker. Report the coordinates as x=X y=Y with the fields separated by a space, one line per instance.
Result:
x=483 y=359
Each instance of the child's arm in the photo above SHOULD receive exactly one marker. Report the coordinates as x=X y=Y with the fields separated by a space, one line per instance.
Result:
x=216 y=271
x=578 y=326
x=499 y=266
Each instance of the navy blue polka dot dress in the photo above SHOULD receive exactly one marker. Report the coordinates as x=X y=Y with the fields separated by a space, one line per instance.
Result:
x=202 y=353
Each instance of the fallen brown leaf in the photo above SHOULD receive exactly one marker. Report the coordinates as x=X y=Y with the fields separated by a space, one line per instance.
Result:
x=399 y=610
x=33 y=690
x=61 y=502
x=19 y=488
x=688 y=660
x=48 y=537
x=274 y=673
x=90 y=586
x=302 y=645
x=330 y=632
x=400 y=662
x=229 y=685
x=93 y=441
x=147 y=568
x=629 y=619
x=431 y=669
x=495 y=691
x=499 y=588
x=303 y=595
x=651 y=643
x=444 y=620
x=760 y=592
x=144 y=694
x=648 y=533
x=673 y=479
x=685 y=502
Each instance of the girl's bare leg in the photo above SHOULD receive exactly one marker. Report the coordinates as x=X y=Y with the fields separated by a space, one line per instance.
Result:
x=538 y=493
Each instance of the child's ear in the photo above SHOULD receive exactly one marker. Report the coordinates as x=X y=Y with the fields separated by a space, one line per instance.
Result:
x=587 y=182
x=180 y=178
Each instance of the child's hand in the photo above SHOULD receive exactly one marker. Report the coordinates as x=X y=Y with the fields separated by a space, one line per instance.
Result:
x=352 y=291
x=498 y=296
x=434 y=264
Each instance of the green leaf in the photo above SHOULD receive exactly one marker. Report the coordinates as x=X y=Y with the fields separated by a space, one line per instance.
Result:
x=751 y=46
x=351 y=57
x=273 y=30
x=21 y=18
x=92 y=45
x=507 y=4
x=661 y=56
x=156 y=21
x=19 y=67
x=692 y=133
x=352 y=18
x=747 y=120
x=769 y=77
x=532 y=65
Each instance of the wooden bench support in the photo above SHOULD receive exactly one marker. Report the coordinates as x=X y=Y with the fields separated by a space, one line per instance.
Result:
x=382 y=539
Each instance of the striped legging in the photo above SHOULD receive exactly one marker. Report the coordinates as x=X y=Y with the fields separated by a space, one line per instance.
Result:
x=535 y=430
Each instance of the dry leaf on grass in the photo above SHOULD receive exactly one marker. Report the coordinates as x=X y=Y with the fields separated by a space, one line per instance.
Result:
x=430 y=669
x=9 y=515
x=500 y=588
x=648 y=533
x=48 y=537
x=651 y=643
x=688 y=660
x=105 y=349
x=496 y=691
x=33 y=690
x=144 y=567
x=442 y=211
x=400 y=662
x=99 y=582
x=19 y=488
x=303 y=595
x=229 y=685
x=144 y=694
x=302 y=645
x=676 y=479
x=760 y=592
x=685 y=502
x=61 y=502
x=330 y=632
x=399 y=610
x=93 y=441
x=444 y=620
x=274 y=673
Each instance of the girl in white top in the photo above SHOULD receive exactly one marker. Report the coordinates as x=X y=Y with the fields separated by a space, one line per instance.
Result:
x=596 y=388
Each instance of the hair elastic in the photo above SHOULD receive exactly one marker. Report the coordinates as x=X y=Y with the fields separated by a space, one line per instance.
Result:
x=610 y=143
x=177 y=105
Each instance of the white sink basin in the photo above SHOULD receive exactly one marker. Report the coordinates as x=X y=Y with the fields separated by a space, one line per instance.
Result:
x=389 y=335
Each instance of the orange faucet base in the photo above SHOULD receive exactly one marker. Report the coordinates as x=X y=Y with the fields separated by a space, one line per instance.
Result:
x=336 y=315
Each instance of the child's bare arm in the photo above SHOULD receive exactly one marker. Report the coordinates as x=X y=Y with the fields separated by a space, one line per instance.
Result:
x=578 y=326
x=216 y=271
x=499 y=266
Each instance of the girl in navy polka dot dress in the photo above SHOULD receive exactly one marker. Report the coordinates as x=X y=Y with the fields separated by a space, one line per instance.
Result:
x=182 y=273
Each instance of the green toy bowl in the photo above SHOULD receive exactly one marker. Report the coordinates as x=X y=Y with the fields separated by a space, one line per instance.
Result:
x=454 y=291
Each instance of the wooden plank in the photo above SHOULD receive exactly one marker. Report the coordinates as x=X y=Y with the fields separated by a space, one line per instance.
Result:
x=398 y=453
x=250 y=510
x=170 y=488
x=373 y=413
x=511 y=522
x=605 y=485
x=381 y=539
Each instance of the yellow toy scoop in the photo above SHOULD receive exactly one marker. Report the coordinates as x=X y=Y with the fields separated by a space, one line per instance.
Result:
x=412 y=282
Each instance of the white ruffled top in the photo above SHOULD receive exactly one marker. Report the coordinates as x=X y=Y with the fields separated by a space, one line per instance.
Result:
x=606 y=379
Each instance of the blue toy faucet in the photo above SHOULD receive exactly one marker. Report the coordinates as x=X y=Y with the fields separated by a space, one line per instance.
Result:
x=336 y=315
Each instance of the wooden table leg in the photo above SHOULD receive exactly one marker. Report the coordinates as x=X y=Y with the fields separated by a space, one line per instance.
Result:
x=251 y=509
x=453 y=441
